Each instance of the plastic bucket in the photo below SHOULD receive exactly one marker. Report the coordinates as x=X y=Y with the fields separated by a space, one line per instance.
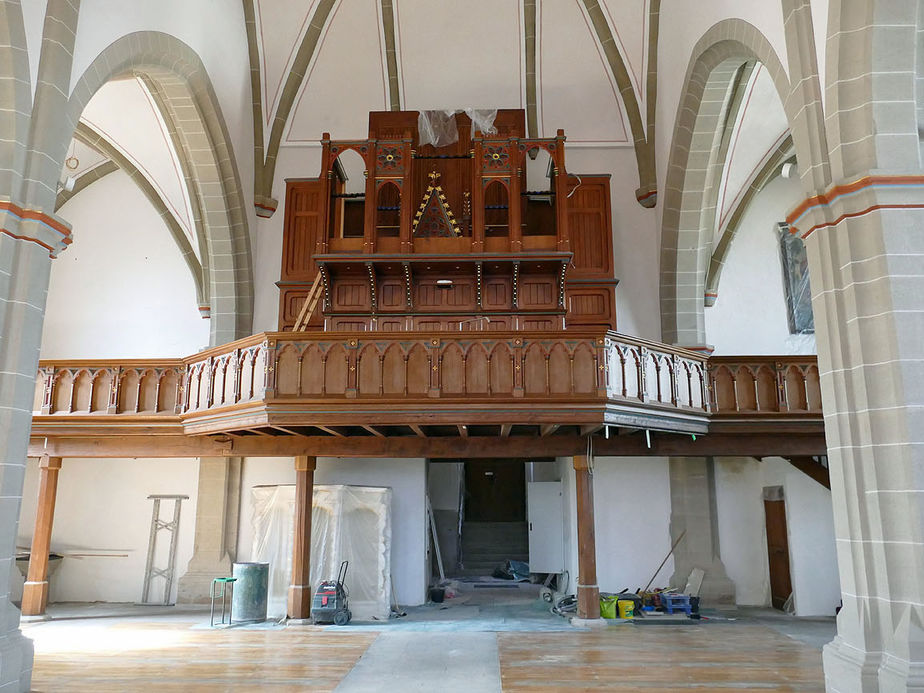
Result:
x=626 y=608
x=608 y=607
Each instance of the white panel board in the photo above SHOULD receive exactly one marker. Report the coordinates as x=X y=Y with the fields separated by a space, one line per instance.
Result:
x=546 y=527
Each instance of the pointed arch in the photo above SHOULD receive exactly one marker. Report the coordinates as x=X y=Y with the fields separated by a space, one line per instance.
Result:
x=179 y=81
x=685 y=238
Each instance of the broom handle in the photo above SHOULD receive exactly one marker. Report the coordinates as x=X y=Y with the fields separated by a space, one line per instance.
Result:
x=682 y=535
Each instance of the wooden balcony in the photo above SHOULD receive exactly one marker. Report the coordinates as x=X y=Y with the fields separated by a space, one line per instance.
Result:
x=750 y=392
x=545 y=386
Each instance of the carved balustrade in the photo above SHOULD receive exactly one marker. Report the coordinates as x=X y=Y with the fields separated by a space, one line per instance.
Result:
x=104 y=387
x=578 y=369
x=573 y=365
x=764 y=384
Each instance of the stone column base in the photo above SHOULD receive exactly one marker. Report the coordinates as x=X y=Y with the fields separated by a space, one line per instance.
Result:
x=849 y=670
x=194 y=586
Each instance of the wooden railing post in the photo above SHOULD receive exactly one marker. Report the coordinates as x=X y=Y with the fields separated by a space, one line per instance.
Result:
x=35 y=590
x=352 y=351
x=269 y=369
x=299 y=601
x=601 y=357
x=433 y=349
x=518 y=353
x=48 y=390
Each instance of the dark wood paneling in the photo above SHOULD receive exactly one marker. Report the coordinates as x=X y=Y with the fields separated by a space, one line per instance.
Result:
x=590 y=228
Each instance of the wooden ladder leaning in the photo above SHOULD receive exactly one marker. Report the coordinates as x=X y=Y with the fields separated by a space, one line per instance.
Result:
x=309 y=306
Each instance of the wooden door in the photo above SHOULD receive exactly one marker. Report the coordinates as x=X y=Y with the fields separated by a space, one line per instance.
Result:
x=495 y=491
x=778 y=552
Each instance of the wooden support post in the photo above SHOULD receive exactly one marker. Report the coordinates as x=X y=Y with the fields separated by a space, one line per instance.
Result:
x=588 y=592
x=299 y=605
x=35 y=591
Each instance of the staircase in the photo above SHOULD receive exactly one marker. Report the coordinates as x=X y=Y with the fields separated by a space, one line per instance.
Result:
x=485 y=545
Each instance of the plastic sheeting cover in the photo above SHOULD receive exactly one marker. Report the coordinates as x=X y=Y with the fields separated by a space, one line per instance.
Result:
x=348 y=523
x=439 y=127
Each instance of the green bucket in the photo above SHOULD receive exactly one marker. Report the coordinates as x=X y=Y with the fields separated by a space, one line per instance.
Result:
x=608 y=607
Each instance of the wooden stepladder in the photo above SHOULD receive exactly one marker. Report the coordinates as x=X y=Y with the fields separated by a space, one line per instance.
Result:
x=173 y=529
x=309 y=306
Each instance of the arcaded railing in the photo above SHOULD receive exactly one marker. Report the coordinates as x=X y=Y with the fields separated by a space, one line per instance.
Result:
x=337 y=372
x=109 y=387
x=765 y=384
x=565 y=365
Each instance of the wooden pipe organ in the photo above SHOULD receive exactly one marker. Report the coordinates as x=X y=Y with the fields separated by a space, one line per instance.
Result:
x=449 y=238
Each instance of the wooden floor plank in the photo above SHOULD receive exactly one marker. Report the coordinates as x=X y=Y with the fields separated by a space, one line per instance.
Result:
x=664 y=658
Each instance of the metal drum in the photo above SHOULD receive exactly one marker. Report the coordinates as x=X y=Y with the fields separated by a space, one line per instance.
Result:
x=249 y=601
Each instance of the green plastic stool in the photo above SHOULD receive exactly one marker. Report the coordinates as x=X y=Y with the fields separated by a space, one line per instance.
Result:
x=220 y=587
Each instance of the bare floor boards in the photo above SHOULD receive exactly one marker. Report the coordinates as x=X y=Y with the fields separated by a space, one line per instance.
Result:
x=657 y=659
x=173 y=655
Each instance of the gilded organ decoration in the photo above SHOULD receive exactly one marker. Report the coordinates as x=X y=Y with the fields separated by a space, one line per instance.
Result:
x=434 y=218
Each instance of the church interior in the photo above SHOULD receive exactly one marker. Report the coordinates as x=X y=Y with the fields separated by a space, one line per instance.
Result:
x=608 y=295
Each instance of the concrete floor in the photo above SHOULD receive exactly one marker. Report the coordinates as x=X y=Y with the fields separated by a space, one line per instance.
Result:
x=485 y=640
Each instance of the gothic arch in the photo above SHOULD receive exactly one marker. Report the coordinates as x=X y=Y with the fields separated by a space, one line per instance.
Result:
x=685 y=227
x=183 y=88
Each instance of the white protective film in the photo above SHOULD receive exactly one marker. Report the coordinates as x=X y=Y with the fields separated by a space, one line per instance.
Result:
x=348 y=523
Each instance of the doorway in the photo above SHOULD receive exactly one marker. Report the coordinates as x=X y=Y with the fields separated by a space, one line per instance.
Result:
x=495 y=490
x=777 y=546
x=494 y=516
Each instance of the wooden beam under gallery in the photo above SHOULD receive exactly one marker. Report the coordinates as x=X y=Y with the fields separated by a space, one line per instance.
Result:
x=662 y=445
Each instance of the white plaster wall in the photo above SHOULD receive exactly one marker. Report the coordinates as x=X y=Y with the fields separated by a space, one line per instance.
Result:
x=406 y=478
x=753 y=276
x=743 y=534
x=742 y=528
x=632 y=509
x=121 y=290
x=102 y=507
x=444 y=480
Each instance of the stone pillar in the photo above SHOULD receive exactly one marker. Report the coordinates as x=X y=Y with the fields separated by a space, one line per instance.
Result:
x=25 y=264
x=868 y=279
x=588 y=592
x=218 y=502
x=35 y=590
x=299 y=604
x=693 y=514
